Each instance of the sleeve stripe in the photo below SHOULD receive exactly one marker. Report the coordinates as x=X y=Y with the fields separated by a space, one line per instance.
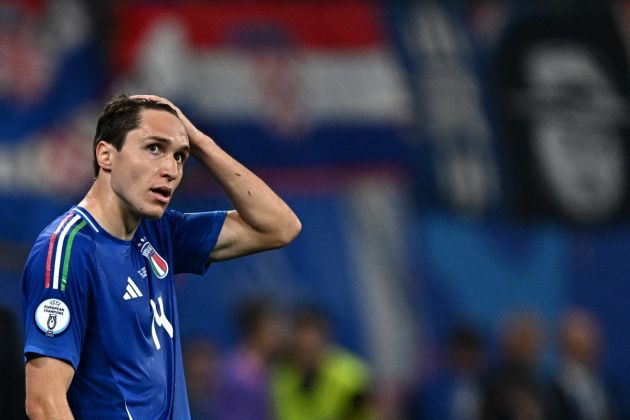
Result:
x=87 y=219
x=66 y=260
x=59 y=251
x=51 y=245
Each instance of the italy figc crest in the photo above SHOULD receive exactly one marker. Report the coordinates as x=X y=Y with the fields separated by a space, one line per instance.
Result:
x=158 y=264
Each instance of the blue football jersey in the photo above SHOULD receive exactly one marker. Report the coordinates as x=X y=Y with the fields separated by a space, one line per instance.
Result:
x=107 y=306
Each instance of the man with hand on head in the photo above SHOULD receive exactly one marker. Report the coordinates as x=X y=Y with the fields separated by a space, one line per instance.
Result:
x=101 y=325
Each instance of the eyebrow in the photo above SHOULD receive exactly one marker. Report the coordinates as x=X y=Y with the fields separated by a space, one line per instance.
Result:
x=159 y=139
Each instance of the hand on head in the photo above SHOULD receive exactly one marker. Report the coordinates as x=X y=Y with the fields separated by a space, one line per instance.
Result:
x=193 y=133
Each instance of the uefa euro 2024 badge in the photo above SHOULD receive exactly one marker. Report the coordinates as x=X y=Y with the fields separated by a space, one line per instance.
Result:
x=52 y=317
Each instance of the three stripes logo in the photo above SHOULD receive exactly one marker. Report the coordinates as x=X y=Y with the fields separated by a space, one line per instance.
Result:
x=158 y=264
x=133 y=291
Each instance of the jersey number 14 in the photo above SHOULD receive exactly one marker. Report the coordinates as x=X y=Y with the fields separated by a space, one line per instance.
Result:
x=161 y=320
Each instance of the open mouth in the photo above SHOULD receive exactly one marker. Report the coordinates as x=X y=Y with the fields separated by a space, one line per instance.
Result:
x=163 y=193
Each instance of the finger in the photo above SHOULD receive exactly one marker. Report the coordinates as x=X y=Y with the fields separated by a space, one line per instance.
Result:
x=152 y=98
x=157 y=99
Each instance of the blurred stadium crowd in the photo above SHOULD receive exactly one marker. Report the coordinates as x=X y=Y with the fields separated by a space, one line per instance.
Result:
x=460 y=169
x=287 y=367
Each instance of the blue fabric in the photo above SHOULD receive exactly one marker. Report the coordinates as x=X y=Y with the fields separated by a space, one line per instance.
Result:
x=121 y=310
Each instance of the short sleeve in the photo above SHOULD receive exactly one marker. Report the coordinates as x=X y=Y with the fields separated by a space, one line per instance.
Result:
x=55 y=291
x=194 y=236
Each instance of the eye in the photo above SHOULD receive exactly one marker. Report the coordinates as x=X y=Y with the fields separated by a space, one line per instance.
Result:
x=180 y=157
x=153 y=148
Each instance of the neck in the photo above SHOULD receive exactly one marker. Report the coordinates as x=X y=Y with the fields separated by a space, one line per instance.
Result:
x=109 y=210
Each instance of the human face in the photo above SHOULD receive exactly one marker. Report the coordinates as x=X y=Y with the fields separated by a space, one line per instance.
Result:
x=148 y=168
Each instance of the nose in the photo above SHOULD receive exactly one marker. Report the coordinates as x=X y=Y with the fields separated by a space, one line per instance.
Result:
x=169 y=168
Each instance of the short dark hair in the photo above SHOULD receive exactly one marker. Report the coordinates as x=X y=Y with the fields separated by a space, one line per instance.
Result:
x=121 y=115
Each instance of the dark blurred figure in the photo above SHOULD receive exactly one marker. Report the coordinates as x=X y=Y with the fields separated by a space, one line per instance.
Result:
x=318 y=379
x=200 y=365
x=516 y=390
x=12 y=394
x=579 y=390
x=243 y=387
x=455 y=390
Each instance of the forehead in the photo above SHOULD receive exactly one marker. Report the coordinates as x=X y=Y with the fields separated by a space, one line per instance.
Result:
x=161 y=124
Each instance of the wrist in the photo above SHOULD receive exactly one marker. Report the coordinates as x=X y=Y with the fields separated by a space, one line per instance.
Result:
x=200 y=143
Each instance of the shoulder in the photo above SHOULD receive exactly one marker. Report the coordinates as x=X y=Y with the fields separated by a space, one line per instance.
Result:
x=75 y=235
x=164 y=223
x=68 y=239
x=347 y=367
x=175 y=217
x=342 y=358
x=68 y=227
x=198 y=222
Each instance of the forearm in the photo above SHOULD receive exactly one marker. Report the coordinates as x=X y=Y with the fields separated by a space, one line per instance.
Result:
x=256 y=203
x=48 y=408
x=47 y=382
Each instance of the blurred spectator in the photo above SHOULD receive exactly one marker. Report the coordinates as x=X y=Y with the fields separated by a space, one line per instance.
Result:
x=243 y=391
x=455 y=390
x=319 y=380
x=579 y=390
x=200 y=364
x=515 y=389
x=12 y=368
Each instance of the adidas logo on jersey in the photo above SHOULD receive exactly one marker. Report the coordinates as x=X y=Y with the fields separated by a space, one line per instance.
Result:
x=132 y=290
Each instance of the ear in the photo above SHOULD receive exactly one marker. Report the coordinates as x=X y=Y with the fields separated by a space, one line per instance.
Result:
x=104 y=155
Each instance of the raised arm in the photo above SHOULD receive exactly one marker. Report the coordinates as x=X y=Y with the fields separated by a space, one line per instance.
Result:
x=47 y=382
x=261 y=220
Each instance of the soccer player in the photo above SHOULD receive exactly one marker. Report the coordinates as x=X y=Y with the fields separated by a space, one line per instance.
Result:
x=101 y=326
